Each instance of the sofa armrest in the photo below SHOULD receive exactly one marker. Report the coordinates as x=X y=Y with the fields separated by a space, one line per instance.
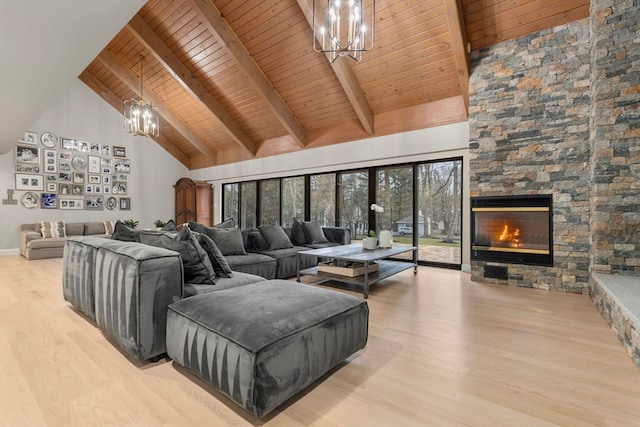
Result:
x=340 y=235
x=25 y=237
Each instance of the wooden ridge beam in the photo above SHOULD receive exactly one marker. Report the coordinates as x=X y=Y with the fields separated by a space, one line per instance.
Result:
x=347 y=79
x=94 y=84
x=229 y=41
x=459 y=46
x=185 y=77
x=131 y=81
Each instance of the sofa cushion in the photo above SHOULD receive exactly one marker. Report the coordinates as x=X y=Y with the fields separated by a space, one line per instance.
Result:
x=196 y=226
x=74 y=228
x=197 y=266
x=313 y=232
x=258 y=243
x=275 y=237
x=170 y=226
x=238 y=279
x=52 y=229
x=108 y=227
x=227 y=223
x=93 y=228
x=228 y=240
x=218 y=261
x=51 y=242
x=297 y=233
x=124 y=233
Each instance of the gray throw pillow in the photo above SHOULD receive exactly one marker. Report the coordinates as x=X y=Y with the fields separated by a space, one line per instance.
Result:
x=196 y=263
x=228 y=240
x=275 y=237
x=220 y=264
x=257 y=241
x=196 y=226
x=313 y=233
x=297 y=233
x=124 y=233
x=227 y=223
x=170 y=226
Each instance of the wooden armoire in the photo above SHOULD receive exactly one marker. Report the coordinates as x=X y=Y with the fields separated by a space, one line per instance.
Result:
x=194 y=201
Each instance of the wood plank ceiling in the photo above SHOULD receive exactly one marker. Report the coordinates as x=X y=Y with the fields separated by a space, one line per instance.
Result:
x=238 y=79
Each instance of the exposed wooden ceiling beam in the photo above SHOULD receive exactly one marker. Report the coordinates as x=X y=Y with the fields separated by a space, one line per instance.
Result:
x=183 y=75
x=132 y=82
x=93 y=83
x=229 y=41
x=459 y=46
x=347 y=79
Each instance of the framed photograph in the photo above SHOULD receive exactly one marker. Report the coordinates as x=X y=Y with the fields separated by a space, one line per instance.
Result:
x=50 y=161
x=94 y=202
x=122 y=165
x=27 y=155
x=97 y=189
x=120 y=177
x=29 y=138
x=105 y=161
x=78 y=177
x=105 y=150
x=68 y=144
x=125 y=203
x=77 y=190
x=83 y=146
x=106 y=169
x=30 y=200
x=64 y=155
x=106 y=189
x=65 y=177
x=71 y=203
x=94 y=164
x=64 y=189
x=49 y=201
x=52 y=187
x=27 y=168
x=119 y=188
x=111 y=203
x=49 y=140
x=64 y=166
x=106 y=180
x=94 y=179
x=94 y=148
x=88 y=189
x=119 y=151
x=51 y=178
x=29 y=182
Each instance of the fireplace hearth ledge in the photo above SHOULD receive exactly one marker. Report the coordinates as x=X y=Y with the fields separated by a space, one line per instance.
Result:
x=618 y=300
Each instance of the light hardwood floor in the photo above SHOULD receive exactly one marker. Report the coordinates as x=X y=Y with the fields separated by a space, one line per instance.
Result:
x=442 y=351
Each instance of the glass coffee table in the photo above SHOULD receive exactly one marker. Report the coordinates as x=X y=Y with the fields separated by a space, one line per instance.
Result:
x=356 y=253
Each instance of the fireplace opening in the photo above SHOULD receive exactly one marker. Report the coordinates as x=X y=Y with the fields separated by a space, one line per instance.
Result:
x=512 y=229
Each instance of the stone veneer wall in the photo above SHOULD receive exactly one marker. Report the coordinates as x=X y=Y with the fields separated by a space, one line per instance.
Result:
x=529 y=102
x=615 y=137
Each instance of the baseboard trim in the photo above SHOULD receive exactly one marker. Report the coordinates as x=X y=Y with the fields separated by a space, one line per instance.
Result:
x=5 y=252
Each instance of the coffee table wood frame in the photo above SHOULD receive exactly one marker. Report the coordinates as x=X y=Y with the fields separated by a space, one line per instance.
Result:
x=356 y=253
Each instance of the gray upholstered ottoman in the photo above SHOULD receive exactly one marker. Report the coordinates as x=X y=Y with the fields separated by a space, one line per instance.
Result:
x=260 y=344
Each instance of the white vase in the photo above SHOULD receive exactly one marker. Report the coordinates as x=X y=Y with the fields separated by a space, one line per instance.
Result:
x=386 y=241
x=369 y=243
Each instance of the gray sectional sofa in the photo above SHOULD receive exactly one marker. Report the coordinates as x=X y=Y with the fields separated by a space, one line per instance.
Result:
x=176 y=293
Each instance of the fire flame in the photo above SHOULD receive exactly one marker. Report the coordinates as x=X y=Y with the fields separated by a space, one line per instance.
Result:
x=509 y=236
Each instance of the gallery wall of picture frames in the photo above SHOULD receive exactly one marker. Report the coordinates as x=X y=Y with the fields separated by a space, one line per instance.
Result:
x=64 y=173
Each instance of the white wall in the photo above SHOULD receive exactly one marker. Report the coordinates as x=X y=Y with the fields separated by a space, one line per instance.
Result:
x=426 y=144
x=83 y=115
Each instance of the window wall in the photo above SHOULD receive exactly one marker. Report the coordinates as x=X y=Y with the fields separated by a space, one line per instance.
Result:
x=421 y=201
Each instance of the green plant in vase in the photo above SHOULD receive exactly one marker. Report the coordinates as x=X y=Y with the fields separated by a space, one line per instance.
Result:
x=159 y=224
